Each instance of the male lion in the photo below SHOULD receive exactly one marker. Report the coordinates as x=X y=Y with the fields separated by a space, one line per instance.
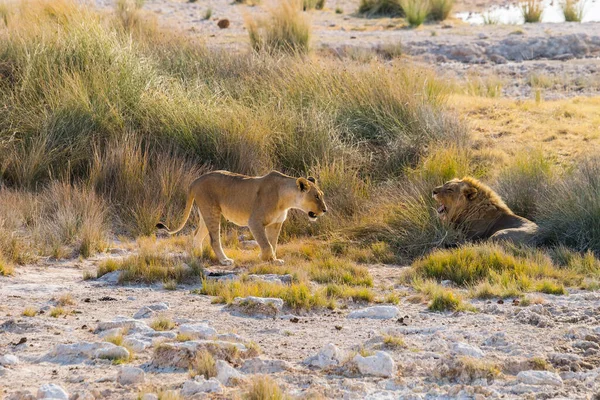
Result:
x=480 y=213
x=261 y=203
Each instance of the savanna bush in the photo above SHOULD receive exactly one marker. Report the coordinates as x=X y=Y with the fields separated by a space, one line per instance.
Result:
x=525 y=182
x=569 y=213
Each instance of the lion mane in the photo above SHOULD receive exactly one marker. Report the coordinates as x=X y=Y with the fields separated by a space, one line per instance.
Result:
x=477 y=210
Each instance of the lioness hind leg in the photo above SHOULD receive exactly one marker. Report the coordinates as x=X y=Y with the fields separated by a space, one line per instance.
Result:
x=200 y=233
x=213 y=225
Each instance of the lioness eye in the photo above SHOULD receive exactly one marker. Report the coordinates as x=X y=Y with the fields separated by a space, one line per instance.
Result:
x=317 y=196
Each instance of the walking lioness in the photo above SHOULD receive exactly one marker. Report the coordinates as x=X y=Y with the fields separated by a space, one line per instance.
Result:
x=261 y=203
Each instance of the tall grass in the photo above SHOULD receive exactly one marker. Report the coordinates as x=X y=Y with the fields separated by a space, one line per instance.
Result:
x=391 y=8
x=573 y=11
x=569 y=213
x=286 y=30
x=532 y=11
x=525 y=182
x=135 y=113
x=440 y=9
x=416 y=11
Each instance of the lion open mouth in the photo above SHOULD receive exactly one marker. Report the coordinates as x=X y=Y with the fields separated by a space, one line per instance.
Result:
x=441 y=209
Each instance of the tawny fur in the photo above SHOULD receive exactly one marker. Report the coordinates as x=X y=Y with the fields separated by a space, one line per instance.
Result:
x=478 y=211
x=259 y=202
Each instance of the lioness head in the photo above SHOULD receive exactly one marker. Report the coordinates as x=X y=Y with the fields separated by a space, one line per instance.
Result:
x=453 y=196
x=310 y=199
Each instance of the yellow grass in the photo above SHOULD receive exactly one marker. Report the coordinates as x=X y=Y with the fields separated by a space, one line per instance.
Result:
x=564 y=129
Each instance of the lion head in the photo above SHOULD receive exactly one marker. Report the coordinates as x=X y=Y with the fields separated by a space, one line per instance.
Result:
x=464 y=199
x=311 y=199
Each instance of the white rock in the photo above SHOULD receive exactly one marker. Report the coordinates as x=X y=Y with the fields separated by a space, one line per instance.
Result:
x=257 y=306
x=263 y=366
x=131 y=376
x=201 y=385
x=539 y=378
x=112 y=353
x=150 y=310
x=71 y=353
x=378 y=312
x=111 y=278
x=52 y=391
x=328 y=356
x=380 y=364
x=111 y=333
x=467 y=350
x=231 y=337
x=197 y=331
x=8 y=359
x=3 y=371
x=226 y=374
x=149 y=396
x=132 y=325
x=136 y=344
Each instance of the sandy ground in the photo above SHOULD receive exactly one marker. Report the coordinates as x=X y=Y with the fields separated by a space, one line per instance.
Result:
x=564 y=330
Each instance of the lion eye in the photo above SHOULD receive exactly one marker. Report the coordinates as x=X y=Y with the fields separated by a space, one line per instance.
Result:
x=317 y=196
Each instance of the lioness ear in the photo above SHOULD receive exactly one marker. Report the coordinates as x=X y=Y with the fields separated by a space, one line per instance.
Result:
x=302 y=184
x=469 y=192
x=312 y=179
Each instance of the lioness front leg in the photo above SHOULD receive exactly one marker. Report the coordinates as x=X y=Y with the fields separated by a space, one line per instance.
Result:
x=272 y=232
x=266 y=250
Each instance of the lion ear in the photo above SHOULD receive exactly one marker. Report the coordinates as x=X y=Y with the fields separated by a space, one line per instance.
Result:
x=302 y=184
x=312 y=179
x=469 y=192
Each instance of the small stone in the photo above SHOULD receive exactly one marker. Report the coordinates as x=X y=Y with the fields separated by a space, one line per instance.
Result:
x=52 y=391
x=113 y=353
x=329 y=356
x=112 y=278
x=226 y=374
x=257 y=306
x=380 y=364
x=150 y=310
x=131 y=376
x=263 y=366
x=377 y=312
x=197 y=331
x=539 y=378
x=223 y=23
x=201 y=385
x=9 y=360
x=467 y=350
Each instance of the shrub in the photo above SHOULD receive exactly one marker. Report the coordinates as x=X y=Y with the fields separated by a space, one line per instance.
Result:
x=313 y=4
x=390 y=8
x=287 y=30
x=203 y=364
x=393 y=342
x=573 y=10
x=532 y=10
x=29 y=312
x=264 y=387
x=569 y=214
x=525 y=182
x=415 y=11
x=440 y=9
x=162 y=323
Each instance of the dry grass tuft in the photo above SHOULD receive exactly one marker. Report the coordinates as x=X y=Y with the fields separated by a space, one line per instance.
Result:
x=162 y=323
x=573 y=10
x=203 y=364
x=416 y=11
x=532 y=11
x=440 y=9
x=286 y=30
x=29 y=312
x=263 y=387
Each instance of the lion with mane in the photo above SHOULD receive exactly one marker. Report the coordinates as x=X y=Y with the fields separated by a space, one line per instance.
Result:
x=475 y=209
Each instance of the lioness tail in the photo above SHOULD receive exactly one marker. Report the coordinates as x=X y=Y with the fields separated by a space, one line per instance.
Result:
x=187 y=212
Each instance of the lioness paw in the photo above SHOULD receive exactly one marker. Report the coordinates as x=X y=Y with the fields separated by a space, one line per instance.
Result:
x=226 y=262
x=277 y=261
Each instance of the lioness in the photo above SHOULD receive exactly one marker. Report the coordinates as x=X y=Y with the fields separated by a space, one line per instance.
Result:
x=261 y=203
x=480 y=213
